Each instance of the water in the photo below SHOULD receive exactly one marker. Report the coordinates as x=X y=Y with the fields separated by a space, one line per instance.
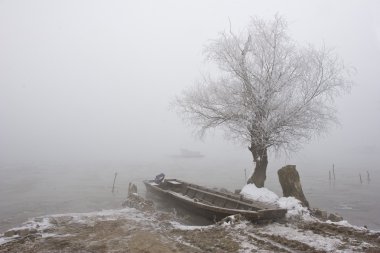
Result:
x=358 y=202
x=29 y=191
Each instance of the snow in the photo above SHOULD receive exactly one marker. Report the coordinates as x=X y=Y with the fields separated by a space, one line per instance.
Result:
x=293 y=205
x=111 y=214
x=245 y=245
x=292 y=233
x=173 y=182
x=179 y=195
x=345 y=223
x=180 y=226
x=8 y=239
x=47 y=235
x=259 y=194
x=41 y=224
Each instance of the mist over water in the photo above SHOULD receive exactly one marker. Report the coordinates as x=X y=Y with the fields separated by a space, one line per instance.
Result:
x=86 y=88
x=40 y=190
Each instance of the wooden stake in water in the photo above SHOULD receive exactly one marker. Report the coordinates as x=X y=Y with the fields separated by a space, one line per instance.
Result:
x=360 y=177
x=368 y=177
x=334 y=171
x=114 y=179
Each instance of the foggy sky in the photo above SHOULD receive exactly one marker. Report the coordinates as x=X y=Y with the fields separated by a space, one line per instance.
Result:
x=92 y=80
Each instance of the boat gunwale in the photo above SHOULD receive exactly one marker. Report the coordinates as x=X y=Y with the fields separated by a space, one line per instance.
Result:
x=238 y=197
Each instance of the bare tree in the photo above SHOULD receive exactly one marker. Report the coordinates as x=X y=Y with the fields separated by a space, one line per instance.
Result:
x=269 y=92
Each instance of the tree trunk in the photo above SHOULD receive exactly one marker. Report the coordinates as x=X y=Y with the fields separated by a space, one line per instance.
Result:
x=261 y=160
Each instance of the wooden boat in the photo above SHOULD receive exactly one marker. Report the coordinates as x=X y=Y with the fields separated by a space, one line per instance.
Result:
x=213 y=204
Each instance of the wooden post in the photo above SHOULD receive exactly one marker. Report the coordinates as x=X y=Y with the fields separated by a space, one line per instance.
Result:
x=334 y=171
x=114 y=179
x=132 y=189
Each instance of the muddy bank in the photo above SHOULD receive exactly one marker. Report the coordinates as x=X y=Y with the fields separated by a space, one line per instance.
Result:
x=142 y=229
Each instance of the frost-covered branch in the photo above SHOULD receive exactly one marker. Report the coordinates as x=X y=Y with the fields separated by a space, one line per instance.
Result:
x=271 y=92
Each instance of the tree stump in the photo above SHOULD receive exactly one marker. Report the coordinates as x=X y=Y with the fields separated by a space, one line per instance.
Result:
x=291 y=184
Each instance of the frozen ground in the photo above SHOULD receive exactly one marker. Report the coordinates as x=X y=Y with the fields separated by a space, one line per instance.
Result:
x=146 y=230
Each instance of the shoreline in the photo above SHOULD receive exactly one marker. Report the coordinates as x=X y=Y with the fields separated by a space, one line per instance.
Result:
x=141 y=228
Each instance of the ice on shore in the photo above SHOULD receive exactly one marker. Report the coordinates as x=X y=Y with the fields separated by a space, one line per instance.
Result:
x=177 y=225
x=43 y=224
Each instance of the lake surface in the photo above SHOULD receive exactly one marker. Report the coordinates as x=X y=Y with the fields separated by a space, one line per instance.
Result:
x=30 y=191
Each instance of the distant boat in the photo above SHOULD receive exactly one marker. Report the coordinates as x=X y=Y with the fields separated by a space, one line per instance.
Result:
x=213 y=204
x=185 y=153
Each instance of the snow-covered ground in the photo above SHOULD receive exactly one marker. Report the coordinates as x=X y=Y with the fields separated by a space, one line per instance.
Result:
x=153 y=231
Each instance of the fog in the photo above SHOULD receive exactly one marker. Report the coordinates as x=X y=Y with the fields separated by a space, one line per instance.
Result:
x=87 y=82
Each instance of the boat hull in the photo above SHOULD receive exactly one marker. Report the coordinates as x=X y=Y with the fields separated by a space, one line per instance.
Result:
x=209 y=210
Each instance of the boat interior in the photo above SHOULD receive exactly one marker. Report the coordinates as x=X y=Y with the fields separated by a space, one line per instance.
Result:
x=210 y=196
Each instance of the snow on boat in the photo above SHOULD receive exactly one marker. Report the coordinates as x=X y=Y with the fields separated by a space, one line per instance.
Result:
x=213 y=204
